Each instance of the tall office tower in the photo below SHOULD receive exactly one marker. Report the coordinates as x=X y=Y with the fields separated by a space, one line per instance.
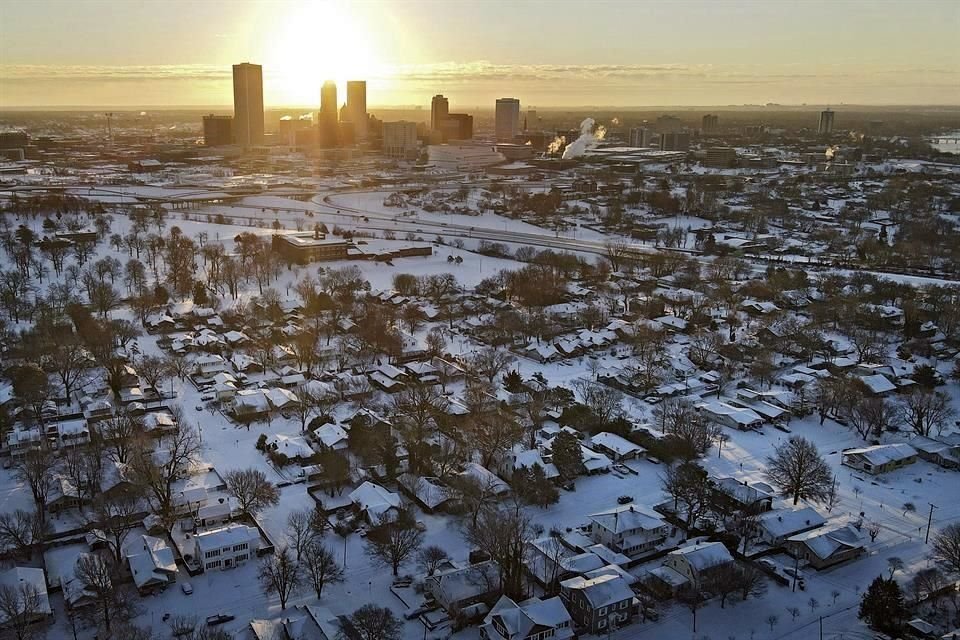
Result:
x=826 y=122
x=357 y=107
x=217 y=130
x=710 y=123
x=248 y=104
x=532 y=122
x=639 y=137
x=439 y=110
x=328 y=118
x=507 y=122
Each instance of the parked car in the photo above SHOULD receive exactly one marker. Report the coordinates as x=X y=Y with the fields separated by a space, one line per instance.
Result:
x=568 y=486
x=219 y=618
x=186 y=587
x=624 y=499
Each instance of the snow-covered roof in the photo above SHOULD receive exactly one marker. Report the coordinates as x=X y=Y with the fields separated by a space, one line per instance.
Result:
x=626 y=518
x=228 y=536
x=826 y=541
x=531 y=617
x=703 y=555
x=374 y=499
x=602 y=591
x=878 y=384
x=785 y=522
x=16 y=576
x=619 y=445
x=331 y=435
x=882 y=454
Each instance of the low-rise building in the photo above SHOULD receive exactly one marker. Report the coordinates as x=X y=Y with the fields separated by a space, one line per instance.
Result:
x=226 y=547
x=696 y=562
x=628 y=530
x=599 y=604
x=152 y=564
x=532 y=619
x=458 y=589
x=881 y=458
x=826 y=546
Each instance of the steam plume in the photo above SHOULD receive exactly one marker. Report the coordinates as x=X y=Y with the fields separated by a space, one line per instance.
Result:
x=557 y=145
x=587 y=140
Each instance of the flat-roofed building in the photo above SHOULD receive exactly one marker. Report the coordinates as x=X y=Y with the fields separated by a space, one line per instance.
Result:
x=310 y=247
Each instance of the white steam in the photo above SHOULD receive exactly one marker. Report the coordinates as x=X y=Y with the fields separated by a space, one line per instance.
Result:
x=557 y=145
x=831 y=152
x=589 y=138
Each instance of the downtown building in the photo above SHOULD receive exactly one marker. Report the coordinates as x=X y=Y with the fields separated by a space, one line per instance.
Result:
x=248 y=104
x=507 y=119
x=450 y=126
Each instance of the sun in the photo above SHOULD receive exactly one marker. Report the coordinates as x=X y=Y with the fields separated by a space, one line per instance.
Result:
x=314 y=42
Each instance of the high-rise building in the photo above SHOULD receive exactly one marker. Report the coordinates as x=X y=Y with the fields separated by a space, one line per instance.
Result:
x=357 y=108
x=640 y=137
x=674 y=141
x=399 y=138
x=248 y=104
x=439 y=110
x=217 y=130
x=531 y=121
x=826 y=122
x=710 y=123
x=668 y=123
x=457 y=126
x=328 y=119
x=507 y=120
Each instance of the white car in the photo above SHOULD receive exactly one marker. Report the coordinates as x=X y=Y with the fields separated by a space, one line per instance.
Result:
x=186 y=587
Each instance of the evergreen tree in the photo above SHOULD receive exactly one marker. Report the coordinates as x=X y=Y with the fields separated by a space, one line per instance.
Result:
x=567 y=455
x=882 y=606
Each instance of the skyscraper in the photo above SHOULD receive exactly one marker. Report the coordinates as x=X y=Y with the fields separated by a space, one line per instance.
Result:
x=357 y=107
x=399 y=138
x=710 y=123
x=507 y=122
x=826 y=122
x=248 y=104
x=328 y=118
x=439 y=110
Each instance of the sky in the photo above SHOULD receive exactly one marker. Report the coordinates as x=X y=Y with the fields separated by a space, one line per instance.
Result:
x=558 y=53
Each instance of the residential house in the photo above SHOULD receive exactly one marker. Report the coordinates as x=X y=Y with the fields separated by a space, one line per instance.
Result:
x=826 y=546
x=881 y=458
x=943 y=451
x=459 y=589
x=152 y=564
x=617 y=447
x=732 y=496
x=599 y=604
x=532 y=619
x=301 y=622
x=628 y=530
x=695 y=562
x=17 y=577
x=226 y=547
x=374 y=502
x=775 y=527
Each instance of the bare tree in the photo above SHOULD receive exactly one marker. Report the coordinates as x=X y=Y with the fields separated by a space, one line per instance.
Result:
x=120 y=434
x=490 y=362
x=321 y=567
x=431 y=558
x=504 y=534
x=280 y=574
x=304 y=528
x=475 y=493
x=797 y=468
x=116 y=514
x=692 y=597
x=157 y=471
x=604 y=402
x=925 y=411
x=392 y=541
x=946 y=547
x=21 y=605
x=20 y=530
x=416 y=408
x=254 y=492
x=371 y=622
x=95 y=574
x=35 y=469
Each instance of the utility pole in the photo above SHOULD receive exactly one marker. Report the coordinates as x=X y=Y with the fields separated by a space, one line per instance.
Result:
x=821 y=627
x=926 y=540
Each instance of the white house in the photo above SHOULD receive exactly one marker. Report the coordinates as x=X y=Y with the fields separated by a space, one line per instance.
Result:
x=533 y=619
x=695 y=562
x=628 y=530
x=375 y=502
x=152 y=564
x=617 y=447
x=227 y=546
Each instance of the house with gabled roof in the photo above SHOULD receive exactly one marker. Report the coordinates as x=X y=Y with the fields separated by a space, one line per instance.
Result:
x=532 y=619
x=600 y=603
x=152 y=564
x=628 y=529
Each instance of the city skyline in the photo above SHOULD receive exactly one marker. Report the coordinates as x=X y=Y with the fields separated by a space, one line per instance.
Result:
x=645 y=54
